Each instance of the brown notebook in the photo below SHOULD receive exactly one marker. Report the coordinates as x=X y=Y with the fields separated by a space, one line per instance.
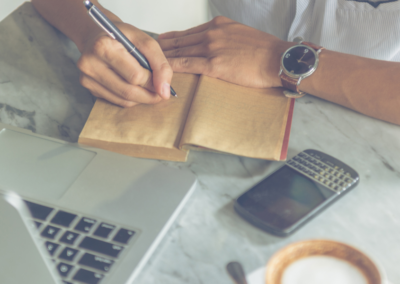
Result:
x=208 y=114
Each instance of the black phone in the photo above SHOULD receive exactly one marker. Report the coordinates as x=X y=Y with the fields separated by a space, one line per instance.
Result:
x=295 y=193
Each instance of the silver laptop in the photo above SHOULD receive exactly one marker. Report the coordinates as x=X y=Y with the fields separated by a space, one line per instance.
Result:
x=74 y=214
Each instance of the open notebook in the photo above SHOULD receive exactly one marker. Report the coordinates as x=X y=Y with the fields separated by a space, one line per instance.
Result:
x=209 y=114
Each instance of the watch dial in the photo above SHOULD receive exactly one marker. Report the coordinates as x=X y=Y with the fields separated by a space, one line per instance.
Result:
x=299 y=60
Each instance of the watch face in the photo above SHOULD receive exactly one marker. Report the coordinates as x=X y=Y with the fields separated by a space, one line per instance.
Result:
x=299 y=60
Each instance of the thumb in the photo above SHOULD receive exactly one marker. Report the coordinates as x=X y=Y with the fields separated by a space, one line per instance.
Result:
x=162 y=76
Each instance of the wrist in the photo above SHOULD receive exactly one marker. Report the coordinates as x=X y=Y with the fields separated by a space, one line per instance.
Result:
x=298 y=63
x=279 y=50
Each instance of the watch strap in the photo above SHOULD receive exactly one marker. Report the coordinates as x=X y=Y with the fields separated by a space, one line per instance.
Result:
x=293 y=95
x=317 y=48
x=290 y=83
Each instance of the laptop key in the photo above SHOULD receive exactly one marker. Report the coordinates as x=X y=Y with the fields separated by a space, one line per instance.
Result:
x=88 y=277
x=63 y=218
x=68 y=254
x=123 y=236
x=96 y=262
x=103 y=230
x=50 y=232
x=69 y=237
x=85 y=224
x=101 y=247
x=38 y=211
x=51 y=247
x=64 y=269
x=37 y=224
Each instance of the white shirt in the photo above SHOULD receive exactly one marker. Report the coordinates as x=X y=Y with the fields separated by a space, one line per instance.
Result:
x=346 y=26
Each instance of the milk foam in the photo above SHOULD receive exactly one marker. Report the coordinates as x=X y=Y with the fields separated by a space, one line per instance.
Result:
x=322 y=269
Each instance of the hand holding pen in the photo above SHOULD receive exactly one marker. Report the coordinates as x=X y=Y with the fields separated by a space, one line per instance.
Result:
x=115 y=33
x=110 y=72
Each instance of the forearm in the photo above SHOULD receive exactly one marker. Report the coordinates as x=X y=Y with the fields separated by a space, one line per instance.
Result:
x=366 y=85
x=71 y=18
x=225 y=49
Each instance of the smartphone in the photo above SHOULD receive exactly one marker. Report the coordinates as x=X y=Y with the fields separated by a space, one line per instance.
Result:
x=291 y=196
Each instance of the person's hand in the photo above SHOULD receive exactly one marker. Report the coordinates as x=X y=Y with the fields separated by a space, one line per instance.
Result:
x=111 y=73
x=225 y=49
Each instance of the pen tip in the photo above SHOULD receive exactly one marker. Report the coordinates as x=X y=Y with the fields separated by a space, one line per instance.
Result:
x=173 y=92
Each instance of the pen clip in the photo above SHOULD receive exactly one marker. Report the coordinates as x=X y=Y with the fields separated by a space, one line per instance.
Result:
x=99 y=24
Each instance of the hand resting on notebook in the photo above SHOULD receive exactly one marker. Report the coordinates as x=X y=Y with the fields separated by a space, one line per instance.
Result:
x=107 y=69
x=225 y=49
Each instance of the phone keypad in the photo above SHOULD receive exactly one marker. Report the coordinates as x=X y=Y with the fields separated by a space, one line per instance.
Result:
x=327 y=173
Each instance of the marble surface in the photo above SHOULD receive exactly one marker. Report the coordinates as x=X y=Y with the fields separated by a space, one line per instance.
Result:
x=40 y=91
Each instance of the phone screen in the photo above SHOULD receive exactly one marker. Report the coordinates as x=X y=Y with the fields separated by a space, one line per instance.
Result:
x=284 y=198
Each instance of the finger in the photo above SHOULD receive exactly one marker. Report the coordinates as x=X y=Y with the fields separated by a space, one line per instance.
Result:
x=99 y=91
x=117 y=85
x=108 y=54
x=193 y=65
x=114 y=86
x=190 y=31
x=184 y=41
x=127 y=67
x=162 y=76
x=162 y=71
x=190 y=51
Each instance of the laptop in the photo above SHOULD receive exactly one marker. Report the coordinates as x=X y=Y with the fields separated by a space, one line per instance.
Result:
x=75 y=214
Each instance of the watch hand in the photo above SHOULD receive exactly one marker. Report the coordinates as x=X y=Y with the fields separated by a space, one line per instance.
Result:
x=301 y=58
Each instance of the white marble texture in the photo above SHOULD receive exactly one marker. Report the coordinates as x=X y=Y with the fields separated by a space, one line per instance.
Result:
x=39 y=90
x=39 y=83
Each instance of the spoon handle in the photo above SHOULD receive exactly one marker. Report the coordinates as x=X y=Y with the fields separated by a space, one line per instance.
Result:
x=235 y=270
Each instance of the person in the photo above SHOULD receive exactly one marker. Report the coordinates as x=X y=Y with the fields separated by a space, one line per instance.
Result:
x=357 y=68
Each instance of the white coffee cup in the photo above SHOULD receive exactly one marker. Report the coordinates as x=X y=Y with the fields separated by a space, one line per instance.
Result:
x=322 y=261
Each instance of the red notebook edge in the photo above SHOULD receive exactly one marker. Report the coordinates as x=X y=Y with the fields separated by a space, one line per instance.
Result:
x=285 y=143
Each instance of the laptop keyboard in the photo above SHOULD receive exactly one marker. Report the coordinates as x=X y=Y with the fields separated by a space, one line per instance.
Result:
x=83 y=249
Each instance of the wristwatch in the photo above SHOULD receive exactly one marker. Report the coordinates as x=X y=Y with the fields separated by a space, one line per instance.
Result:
x=297 y=63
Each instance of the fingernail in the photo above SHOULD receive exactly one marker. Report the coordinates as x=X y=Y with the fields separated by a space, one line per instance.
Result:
x=166 y=90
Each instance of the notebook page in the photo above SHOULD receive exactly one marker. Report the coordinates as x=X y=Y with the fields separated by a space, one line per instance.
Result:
x=158 y=125
x=238 y=120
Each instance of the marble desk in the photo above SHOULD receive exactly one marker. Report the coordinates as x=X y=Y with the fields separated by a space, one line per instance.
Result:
x=40 y=91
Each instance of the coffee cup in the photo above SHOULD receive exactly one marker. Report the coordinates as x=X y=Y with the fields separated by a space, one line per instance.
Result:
x=322 y=261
